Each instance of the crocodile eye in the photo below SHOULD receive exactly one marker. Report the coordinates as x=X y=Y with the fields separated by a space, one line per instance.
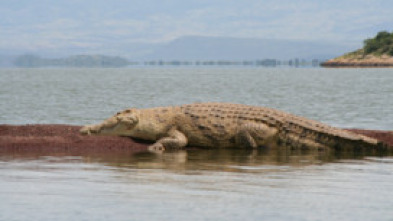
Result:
x=131 y=120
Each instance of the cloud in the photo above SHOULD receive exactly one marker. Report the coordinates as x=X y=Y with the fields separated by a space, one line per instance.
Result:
x=89 y=24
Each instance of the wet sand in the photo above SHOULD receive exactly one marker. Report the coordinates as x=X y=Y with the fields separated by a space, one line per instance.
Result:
x=52 y=139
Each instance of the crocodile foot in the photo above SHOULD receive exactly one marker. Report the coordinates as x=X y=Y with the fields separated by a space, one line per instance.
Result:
x=156 y=148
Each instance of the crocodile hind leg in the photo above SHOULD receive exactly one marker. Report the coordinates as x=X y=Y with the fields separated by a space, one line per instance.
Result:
x=253 y=135
x=296 y=142
x=174 y=140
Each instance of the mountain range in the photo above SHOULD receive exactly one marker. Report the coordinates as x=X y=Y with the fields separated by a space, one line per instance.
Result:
x=203 y=48
x=216 y=48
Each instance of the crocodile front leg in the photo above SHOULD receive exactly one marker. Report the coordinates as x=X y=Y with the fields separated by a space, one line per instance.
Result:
x=174 y=140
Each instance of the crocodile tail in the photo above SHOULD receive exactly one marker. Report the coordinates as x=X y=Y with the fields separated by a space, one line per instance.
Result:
x=298 y=137
x=384 y=147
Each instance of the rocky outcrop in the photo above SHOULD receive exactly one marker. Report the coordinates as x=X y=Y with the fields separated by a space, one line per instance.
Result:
x=360 y=61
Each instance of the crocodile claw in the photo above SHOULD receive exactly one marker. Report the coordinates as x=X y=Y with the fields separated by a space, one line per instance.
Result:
x=156 y=148
x=87 y=130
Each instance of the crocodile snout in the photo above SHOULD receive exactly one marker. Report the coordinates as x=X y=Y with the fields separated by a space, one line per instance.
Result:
x=112 y=126
x=104 y=128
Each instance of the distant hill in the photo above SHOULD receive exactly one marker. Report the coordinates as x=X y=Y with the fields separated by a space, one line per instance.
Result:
x=377 y=51
x=29 y=60
x=6 y=61
x=215 y=48
x=188 y=48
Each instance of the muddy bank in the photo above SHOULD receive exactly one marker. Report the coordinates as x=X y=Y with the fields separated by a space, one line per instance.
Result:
x=52 y=139
x=61 y=140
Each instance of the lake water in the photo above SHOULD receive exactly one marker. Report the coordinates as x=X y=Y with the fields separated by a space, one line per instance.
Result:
x=197 y=184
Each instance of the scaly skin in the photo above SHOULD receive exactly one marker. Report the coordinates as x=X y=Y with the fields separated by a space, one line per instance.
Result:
x=226 y=125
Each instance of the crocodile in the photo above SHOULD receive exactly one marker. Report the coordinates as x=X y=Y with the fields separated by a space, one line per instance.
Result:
x=226 y=125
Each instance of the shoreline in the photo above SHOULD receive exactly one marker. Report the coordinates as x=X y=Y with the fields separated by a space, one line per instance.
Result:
x=360 y=61
x=60 y=139
x=341 y=64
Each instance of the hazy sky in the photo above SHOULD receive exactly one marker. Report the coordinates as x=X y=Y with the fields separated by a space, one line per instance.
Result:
x=59 y=24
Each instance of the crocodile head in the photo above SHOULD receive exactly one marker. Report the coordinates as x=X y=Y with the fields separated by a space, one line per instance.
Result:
x=121 y=124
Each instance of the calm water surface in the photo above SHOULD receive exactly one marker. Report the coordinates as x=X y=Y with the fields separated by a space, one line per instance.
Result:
x=343 y=97
x=197 y=184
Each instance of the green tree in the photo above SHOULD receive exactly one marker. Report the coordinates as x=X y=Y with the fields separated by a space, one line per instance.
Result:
x=382 y=43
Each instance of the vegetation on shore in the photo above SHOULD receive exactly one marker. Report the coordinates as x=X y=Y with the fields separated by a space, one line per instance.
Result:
x=381 y=44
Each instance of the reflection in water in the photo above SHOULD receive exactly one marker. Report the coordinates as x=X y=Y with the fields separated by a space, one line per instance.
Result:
x=198 y=184
x=235 y=160
x=220 y=159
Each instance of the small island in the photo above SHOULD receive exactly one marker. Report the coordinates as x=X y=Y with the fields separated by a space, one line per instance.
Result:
x=376 y=52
